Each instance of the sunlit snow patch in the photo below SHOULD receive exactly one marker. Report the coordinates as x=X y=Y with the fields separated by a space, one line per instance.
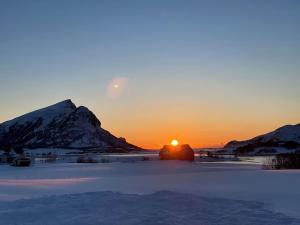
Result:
x=38 y=183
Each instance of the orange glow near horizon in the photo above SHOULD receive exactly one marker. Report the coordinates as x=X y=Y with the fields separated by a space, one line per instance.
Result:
x=157 y=130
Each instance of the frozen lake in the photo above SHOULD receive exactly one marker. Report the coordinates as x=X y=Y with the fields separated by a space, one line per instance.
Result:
x=278 y=190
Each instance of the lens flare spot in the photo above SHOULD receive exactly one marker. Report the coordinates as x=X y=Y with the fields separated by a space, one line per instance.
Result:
x=116 y=87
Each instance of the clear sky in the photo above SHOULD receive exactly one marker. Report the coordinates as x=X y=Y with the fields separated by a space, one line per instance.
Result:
x=204 y=72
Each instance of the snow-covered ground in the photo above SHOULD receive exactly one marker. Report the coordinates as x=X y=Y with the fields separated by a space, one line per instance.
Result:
x=149 y=192
x=158 y=208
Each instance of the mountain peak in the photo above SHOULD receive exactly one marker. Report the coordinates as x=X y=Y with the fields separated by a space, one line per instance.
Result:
x=47 y=113
x=61 y=125
x=64 y=104
x=62 y=107
x=285 y=138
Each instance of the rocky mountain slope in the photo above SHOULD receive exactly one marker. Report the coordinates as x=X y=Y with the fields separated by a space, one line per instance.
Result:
x=282 y=140
x=62 y=125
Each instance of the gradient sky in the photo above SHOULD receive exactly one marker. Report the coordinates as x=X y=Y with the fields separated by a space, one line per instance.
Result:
x=204 y=72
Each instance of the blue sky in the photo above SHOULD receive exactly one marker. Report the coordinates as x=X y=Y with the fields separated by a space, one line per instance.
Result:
x=210 y=67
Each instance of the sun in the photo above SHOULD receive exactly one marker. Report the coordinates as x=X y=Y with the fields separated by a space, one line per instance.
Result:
x=116 y=86
x=174 y=142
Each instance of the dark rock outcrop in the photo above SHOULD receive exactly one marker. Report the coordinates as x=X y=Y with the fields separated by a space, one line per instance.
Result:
x=180 y=152
x=62 y=125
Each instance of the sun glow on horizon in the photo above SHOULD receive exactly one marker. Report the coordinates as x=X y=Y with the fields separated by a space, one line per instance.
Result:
x=174 y=142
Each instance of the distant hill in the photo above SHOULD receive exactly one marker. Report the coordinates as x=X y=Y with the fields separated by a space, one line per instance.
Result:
x=283 y=140
x=62 y=125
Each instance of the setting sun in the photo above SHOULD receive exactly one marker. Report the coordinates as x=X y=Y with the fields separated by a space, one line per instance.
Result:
x=174 y=142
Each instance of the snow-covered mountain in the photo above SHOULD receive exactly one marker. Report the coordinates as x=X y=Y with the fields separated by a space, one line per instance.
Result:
x=62 y=125
x=283 y=139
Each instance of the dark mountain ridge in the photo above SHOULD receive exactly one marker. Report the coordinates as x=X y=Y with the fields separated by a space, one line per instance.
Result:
x=62 y=125
x=281 y=140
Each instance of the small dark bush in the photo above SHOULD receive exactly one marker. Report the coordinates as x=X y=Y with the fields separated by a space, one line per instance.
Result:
x=145 y=158
x=283 y=161
x=18 y=150
x=104 y=160
x=86 y=159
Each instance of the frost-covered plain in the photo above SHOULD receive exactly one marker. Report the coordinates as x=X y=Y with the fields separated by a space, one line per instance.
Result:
x=151 y=192
x=158 y=208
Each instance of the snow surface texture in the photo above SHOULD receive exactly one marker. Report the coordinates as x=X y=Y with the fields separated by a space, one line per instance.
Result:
x=62 y=125
x=279 y=190
x=168 y=208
